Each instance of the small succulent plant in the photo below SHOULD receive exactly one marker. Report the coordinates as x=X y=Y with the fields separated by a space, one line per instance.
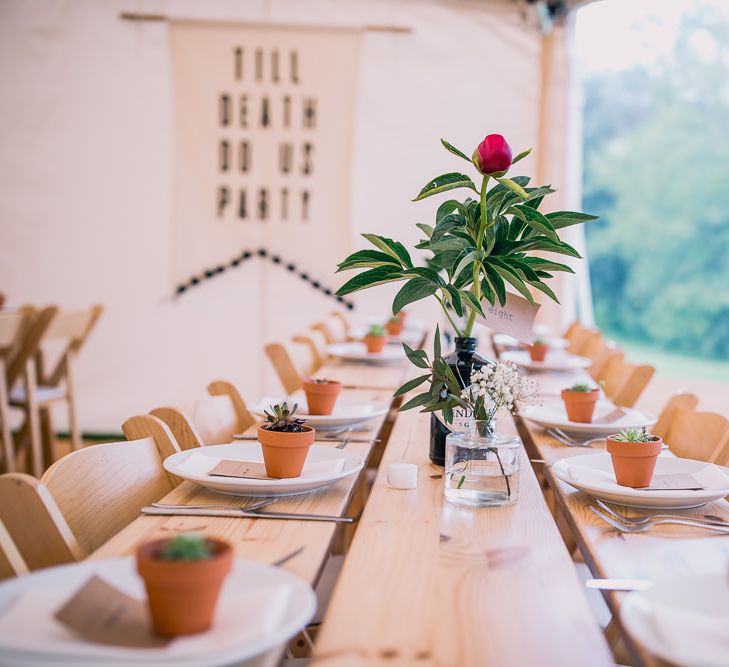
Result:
x=186 y=547
x=634 y=435
x=322 y=381
x=581 y=387
x=538 y=341
x=394 y=320
x=376 y=330
x=281 y=418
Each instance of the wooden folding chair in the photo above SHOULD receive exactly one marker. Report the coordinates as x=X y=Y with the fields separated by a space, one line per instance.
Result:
x=636 y=379
x=698 y=435
x=86 y=497
x=582 y=339
x=346 y=326
x=11 y=562
x=667 y=416
x=333 y=329
x=609 y=355
x=13 y=326
x=593 y=345
x=67 y=331
x=214 y=419
x=290 y=376
x=314 y=348
x=573 y=330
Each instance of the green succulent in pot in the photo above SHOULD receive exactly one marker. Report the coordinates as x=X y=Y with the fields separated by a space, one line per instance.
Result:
x=285 y=440
x=634 y=452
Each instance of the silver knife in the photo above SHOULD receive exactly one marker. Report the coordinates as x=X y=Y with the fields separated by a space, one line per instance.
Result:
x=619 y=584
x=241 y=513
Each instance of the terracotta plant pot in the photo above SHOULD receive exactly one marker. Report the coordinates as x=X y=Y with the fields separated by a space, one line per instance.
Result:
x=394 y=328
x=182 y=595
x=375 y=344
x=284 y=453
x=580 y=405
x=634 y=462
x=538 y=352
x=321 y=396
x=401 y=316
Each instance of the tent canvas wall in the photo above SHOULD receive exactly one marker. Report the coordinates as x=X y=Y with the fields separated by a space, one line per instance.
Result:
x=87 y=173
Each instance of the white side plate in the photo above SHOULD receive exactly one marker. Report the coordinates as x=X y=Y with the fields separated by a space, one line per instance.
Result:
x=251 y=451
x=593 y=474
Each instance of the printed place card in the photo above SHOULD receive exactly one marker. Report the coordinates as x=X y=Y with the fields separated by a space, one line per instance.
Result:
x=100 y=613
x=515 y=318
x=245 y=469
x=675 y=482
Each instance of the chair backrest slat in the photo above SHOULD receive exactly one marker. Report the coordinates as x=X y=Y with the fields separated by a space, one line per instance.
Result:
x=286 y=371
x=697 y=435
x=101 y=488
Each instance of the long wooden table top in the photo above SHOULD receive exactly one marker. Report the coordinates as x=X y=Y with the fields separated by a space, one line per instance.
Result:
x=662 y=553
x=267 y=540
x=429 y=583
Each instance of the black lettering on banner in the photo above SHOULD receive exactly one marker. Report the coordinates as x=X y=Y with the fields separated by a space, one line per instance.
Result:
x=274 y=66
x=224 y=109
x=242 y=204
x=259 y=64
x=306 y=165
x=265 y=113
x=294 y=67
x=286 y=157
x=243 y=112
x=223 y=199
x=284 y=203
x=286 y=111
x=305 y=205
x=224 y=155
x=244 y=154
x=263 y=204
x=309 y=109
x=238 y=63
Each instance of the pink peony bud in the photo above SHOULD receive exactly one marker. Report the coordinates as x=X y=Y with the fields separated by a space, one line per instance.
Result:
x=493 y=155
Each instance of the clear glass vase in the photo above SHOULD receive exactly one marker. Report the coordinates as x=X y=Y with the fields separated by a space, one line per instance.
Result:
x=482 y=467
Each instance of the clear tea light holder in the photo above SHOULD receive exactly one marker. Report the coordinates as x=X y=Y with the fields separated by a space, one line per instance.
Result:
x=482 y=466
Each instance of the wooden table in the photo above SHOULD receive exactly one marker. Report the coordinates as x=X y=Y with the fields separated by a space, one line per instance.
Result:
x=662 y=553
x=430 y=583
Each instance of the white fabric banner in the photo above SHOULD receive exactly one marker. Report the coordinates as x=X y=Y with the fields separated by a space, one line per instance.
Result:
x=263 y=130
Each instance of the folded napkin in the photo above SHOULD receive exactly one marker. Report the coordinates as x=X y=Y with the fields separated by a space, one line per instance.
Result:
x=199 y=464
x=691 y=636
x=28 y=626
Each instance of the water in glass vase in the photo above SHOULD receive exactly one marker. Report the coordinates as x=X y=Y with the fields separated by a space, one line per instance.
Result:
x=482 y=471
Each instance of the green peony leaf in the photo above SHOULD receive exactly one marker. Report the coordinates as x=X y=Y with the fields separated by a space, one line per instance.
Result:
x=368 y=258
x=413 y=290
x=514 y=186
x=376 y=276
x=521 y=156
x=560 y=219
x=445 y=182
x=538 y=284
x=426 y=229
x=534 y=219
x=393 y=248
x=452 y=149
x=511 y=277
x=473 y=302
x=415 y=402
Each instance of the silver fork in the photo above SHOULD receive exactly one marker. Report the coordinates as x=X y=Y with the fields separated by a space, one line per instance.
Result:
x=637 y=521
x=569 y=440
x=247 y=508
x=644 y=527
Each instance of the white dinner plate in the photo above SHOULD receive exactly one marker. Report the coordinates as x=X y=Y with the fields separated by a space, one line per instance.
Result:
x=593 y=474
x=391 y=354
x=347 y=412
x=260 y=607
x=684 y=620
x=509 y=341
x=556 y=360
x=324 y=466
x=552 y=414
